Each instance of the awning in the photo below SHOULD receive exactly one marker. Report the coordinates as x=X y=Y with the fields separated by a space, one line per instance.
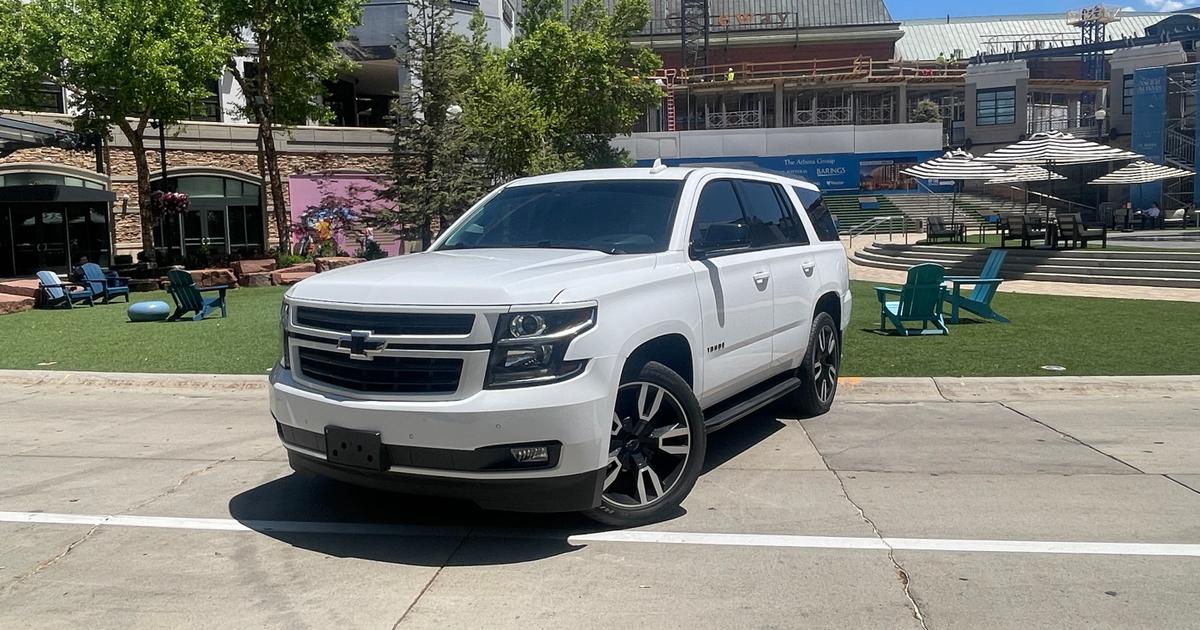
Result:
x=18 y=134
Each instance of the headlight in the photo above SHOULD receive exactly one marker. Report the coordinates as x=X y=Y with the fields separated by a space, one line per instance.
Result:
x=285 y=360
x=530 y=347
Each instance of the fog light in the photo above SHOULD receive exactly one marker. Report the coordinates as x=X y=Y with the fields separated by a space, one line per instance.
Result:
x=531 y=454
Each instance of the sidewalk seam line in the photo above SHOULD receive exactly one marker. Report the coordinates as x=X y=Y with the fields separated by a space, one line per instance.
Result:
x=901 y=572
x=425 y=588
x=1070 y=437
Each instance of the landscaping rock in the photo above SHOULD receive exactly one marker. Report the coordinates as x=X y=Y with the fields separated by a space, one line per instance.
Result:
x=145 y=284
x=301 y=267
x=287 y=276
x=214 y=277
x=243 y=268
x=24 y=287
x=10 y=303
x=334 y=262
x=257 y=279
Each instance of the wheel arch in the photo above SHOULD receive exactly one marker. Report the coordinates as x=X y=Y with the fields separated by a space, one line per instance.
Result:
x=671 y=349
x=830 y=302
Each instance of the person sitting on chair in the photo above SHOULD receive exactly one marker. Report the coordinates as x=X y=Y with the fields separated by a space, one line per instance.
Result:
x=1152 y=216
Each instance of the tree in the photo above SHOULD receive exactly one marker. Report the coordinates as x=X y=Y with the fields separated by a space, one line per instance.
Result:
x=925 y=111
x=555 y=99
x=437 y=173
x=584 y=77
x=292 y=44
x=125 y=63
x=16 y=72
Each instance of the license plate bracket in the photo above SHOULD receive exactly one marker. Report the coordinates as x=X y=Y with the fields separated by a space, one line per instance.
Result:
x=354 y=448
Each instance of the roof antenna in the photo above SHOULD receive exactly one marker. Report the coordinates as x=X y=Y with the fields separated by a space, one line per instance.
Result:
x=658 y=166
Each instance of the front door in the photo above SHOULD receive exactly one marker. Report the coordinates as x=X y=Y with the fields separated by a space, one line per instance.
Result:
x=205 y=228
x=39 y=238
x=733 y=281
x=6 y=245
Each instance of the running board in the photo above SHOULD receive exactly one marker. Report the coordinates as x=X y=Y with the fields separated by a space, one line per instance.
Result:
x=752 y=404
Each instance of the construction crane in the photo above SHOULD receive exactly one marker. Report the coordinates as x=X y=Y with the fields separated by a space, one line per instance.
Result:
x=1091 y=22
x=693 y=31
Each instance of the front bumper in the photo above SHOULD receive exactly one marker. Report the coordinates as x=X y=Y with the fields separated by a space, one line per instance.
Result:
x=443 y=439
x=570 y=493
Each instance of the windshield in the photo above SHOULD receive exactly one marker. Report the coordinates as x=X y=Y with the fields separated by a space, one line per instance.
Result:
x=614 y=216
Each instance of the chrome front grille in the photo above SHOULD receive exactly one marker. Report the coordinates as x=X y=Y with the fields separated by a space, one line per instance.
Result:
x=382 y=374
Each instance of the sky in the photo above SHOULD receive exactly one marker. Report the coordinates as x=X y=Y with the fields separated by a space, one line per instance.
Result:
x=913 y=9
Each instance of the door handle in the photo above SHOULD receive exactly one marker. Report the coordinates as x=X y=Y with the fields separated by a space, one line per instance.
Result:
x=761 y=278
x=808 y=266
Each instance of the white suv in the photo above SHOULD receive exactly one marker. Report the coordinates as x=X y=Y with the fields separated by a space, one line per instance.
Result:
x=569 y=342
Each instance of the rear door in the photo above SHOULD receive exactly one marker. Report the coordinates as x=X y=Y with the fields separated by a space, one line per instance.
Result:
x=826 y=248
x=733 y=284
x=781 y=236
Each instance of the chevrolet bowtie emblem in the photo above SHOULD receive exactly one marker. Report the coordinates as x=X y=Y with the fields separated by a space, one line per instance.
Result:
x=360 y=344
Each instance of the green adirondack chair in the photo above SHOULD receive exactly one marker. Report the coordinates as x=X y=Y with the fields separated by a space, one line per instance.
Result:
x=979 y=301
x=920 y=301
x=190 y=298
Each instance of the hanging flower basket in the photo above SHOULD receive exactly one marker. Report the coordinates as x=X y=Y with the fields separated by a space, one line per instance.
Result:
x=165 y=203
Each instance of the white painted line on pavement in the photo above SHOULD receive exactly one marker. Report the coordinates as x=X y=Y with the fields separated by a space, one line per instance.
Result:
x=620 y=536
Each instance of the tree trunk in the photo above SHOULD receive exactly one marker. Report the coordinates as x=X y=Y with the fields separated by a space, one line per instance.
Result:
x=142 y=166
x=270 y=158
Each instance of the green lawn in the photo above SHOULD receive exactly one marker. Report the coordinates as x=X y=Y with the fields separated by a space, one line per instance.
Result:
x=1085 y=335
x=101 y=338
x=1088 y=336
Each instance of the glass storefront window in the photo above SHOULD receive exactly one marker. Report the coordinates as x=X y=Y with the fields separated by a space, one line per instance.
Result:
x=224 y=218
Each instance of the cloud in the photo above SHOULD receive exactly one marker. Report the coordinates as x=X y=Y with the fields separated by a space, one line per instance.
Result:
x=1165 y=5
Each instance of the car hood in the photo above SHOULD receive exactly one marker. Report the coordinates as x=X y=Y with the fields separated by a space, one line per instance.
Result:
x=467 y=277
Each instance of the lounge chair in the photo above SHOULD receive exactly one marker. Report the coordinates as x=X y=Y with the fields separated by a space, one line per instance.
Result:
x=54 y=293
x=1073 y=232
x=190 y=298
x=104 y=285
x=920 y=301
x=979 y=301
x=936 y=227
x=1018 y=227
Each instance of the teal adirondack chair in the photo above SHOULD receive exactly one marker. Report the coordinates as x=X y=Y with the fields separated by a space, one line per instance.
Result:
x=190 y=298
x=54 y=293
x=920 y=301
x=979 y=301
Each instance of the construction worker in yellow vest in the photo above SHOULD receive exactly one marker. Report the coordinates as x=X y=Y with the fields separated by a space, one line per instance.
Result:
x=729 y=74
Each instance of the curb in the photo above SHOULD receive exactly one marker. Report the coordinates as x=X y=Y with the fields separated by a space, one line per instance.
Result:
x=134 y=380
x=853 y=389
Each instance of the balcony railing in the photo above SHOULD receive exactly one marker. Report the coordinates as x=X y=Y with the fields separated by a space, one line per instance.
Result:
x=874 y=116
x=820 y=71
x=734 y=120
x=822 y=116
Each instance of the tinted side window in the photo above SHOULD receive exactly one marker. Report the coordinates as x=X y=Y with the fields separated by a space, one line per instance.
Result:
x=771 y=222
x=719 y=218
x=818 y=213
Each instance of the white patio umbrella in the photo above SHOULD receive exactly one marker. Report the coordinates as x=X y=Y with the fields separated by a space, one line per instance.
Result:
x=1141 y=172
x=1023 y=174
x=957 y=165
x=1056 y=148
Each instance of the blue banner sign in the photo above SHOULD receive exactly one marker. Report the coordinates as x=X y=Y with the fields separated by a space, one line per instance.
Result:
x=1149 y=121
x=847 y=172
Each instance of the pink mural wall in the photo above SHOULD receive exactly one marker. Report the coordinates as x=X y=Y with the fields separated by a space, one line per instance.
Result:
x=307 y=191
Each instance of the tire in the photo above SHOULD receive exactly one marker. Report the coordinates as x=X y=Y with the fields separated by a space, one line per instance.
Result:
x=819 y=372
x=656 y=449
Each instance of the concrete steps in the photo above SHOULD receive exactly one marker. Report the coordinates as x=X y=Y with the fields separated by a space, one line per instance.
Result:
x=1162 y=269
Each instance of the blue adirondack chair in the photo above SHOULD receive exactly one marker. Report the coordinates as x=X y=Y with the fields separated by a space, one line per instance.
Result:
x=979 y=301
x=190 y=298
x=920 y=301
x=102 y=285
x=54 y=293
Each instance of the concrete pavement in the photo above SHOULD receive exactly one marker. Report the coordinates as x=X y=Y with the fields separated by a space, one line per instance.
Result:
x=866 y=517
